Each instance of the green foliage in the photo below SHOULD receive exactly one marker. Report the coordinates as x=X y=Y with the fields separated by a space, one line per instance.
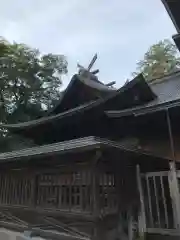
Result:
x=28 y=81
x=161 y=59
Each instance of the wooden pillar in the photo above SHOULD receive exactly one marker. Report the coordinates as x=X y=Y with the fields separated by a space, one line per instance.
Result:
x=95 y=185
x=97 y=233
x=171 y=140
x=130 y=225
x=142 y=216
x=34 y=189
x=172 y=178
x=96 y=204
x=175 y=195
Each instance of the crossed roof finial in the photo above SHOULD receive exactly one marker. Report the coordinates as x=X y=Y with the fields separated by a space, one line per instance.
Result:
x=87 y=70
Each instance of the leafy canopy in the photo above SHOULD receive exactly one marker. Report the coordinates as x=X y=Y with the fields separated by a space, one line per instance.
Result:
x=161 y=59
x=28 y=81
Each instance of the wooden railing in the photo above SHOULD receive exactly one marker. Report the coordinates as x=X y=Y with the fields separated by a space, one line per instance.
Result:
x=157 y=199
x=15 y=189
x=68 y=191
x=63 y=191
x=107 y=193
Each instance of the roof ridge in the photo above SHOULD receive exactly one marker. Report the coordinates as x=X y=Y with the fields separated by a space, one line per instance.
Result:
x=163 y=78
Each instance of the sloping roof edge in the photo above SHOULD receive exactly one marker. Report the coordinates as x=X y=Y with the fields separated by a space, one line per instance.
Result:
x=72 y=111
x=142 y=110
x=44 y=120
x=149 y=107
x=67 y=146
x=170 y=13
x=86 y=81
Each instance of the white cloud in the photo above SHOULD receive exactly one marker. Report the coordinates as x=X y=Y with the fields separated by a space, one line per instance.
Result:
x=119 y=31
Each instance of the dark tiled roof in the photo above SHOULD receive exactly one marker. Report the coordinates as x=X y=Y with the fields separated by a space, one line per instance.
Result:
x=172 y=7
x=44 y=120
x=50 y=148
x=111 y=100
x=67 y=146
x=80 y=90
x=176 y=39
x=167 y=90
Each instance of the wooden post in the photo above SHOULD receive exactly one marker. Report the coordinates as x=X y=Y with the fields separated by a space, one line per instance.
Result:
x=95 y=192
x=171 y=140
x=172 y=178
x=95 y=185
x=130 y=225
x=175 y=195
x=97 y=235
x=142 y=216
x=34 y=189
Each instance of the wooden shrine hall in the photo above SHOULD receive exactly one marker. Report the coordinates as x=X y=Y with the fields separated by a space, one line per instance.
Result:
x=94 y=166
x=104 y=163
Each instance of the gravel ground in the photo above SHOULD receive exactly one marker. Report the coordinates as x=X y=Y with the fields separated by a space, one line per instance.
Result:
x=6 y=234
x=11 y=235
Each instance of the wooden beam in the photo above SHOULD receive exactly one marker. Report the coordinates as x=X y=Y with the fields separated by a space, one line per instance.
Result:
x=110 y=84
x=92 y=62
x=175 y=194
x=142 y=216
x=95 y=184
x=95 y=71
x=130 y=225
x=171 y=139
x=167 y=5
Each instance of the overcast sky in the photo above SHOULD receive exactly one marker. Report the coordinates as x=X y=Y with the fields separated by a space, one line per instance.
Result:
x=120 y=31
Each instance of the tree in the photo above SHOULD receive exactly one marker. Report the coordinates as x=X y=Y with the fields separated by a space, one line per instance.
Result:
x=28 y=81
x=161 y=59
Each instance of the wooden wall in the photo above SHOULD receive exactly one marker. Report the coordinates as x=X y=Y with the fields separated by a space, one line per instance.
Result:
x=16 y=188
x=65 y=189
